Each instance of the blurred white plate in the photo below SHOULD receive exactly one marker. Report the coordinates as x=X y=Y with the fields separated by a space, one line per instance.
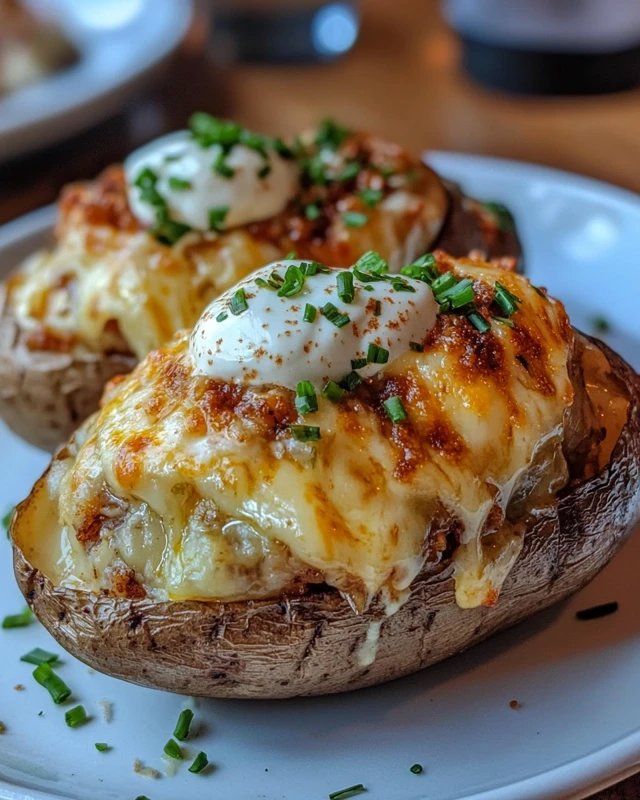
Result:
x=120 y=43
x=579 y=726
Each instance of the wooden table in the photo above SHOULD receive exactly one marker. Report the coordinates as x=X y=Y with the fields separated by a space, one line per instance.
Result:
x=402 y=80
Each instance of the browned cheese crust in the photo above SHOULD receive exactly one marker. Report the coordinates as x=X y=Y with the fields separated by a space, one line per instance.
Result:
x=310 y=644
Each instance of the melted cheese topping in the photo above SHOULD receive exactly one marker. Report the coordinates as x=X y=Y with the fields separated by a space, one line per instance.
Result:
x=109 y=284
x=189 y=487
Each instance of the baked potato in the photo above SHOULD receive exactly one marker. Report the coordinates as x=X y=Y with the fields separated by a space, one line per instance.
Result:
x=236 y=537
x=129 y=268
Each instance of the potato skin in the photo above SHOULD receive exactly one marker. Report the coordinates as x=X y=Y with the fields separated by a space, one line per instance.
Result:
x=45 y=395
x=310 y=644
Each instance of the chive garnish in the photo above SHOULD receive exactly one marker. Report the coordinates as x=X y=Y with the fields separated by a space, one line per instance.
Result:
x=221 y=316
x=423 y=269
x=199 y=763
x=179 y=184
x=478 y=321
x=293 y=282
x=264 y=284
x=507 y=301
x=350 y=381
x=238 y=303
x=330 y=134
x=334 y=316
x=416 y=769
x=142 y=797
x=6 y=520
x=102 y=747
x=377 y=354
x=217 y=217
x=399 y=285
x=345 y=286
x=372 y=262
x=20 y=620
x=367 y=276
x=419 y=348
x=600 y=324
x=291 y=254
x=282 y=149
x=459 y=295
x=76 y=716
x=595 y=612
x=276 y=280
x=370 y=197
x=503 y=216
x=310 y=312
x=377 y=309
x=305 y=433
x=306 y=400
x=505 y=321
x=183 y=724
x=173 y=750
x=443 y=282
x=395 y=409
x=264 y=171
x=56 y=687
x=350 y=791
x=312 y=212
x=358 y=363
x=349 y=172
x=38 y=656
x=354 y=219
x=331 y=391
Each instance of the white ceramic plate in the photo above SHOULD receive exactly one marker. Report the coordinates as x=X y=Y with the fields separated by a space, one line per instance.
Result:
x=120 y=42
x=579 y=726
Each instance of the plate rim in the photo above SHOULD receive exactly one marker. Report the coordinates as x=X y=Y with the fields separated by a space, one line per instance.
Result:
x=576 y=779
x=18 y=136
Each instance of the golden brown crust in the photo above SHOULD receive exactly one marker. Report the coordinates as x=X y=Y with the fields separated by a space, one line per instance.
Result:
x=312 y=644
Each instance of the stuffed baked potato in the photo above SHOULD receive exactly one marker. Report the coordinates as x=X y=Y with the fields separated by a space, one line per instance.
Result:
x=339 y=477
x=142 y=250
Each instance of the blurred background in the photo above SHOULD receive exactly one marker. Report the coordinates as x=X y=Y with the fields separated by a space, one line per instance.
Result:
x=83 y=82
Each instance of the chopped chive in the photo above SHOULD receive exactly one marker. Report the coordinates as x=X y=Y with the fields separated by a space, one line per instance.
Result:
x=395 y=409
x=425 y=260
x=386 y=170
x=401 y=286
x=183 y=724
x=416 y=769
x=504 y=217
x=282 y=149
x=595 y=612
x=507 y=301
x=56 y=687
x=305 y=433
x=419 y=348
x=330 y=134
x=238 y=303
x=478 y=321
x=293 y=282
x=423 y=269
x=173 y=750
x=20 y=620
x=306 y=400
x=354 y=219
x=350 y=381
x=217 y=217
x=76 y=716
x=345 y=286
x=172 y=157
x=601 y=324
x=370 y=197
x=351 y=170
x=443 y=282
x=264 y=171
x=222 y=316
x=38 y=656
x=312 y=212
x=199 y=763
x=368 y=288
x=179 y=184
x=310 y=312
x=264 y=284
x=331 y=391
x=377 y=309
x=6 y=520
x=276 y=280
x=505 y=321
x=334 y=316
x=358 y=363
x=372 y=262
x=350 y=791
x=367 y=276
x=458 y=295
x=102 y=747
x=291 y=254
x=142 y=797
x=377 y=354
x=221 y=167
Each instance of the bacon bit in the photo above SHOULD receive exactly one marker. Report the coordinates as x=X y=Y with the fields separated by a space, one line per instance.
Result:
x=19 y=687
x=125 y=584
x=515 y=705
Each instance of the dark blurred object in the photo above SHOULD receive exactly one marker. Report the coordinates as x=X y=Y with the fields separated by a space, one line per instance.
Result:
x=283 y=31
x=554 y=47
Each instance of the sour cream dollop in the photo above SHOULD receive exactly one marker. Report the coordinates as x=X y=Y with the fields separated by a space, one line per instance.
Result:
x=270 y=342
x=191 y=188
